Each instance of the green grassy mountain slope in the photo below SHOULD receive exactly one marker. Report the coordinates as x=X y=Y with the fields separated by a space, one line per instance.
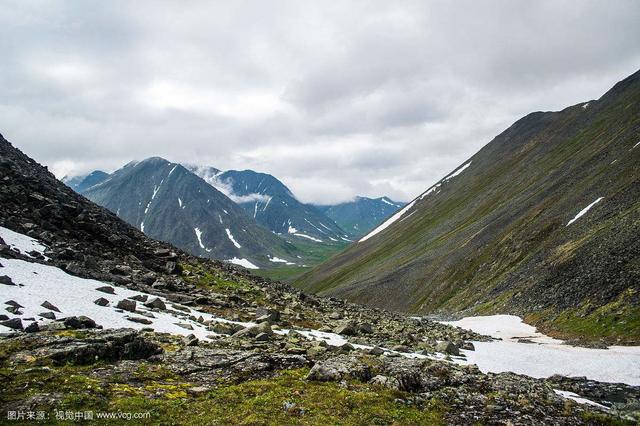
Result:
x=497 y=234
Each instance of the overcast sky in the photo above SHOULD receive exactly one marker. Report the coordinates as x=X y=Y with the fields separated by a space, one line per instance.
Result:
x=336 y=99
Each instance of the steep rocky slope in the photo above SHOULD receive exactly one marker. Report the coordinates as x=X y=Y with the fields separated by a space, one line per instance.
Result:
x=169 y=203
x=544 y=221
x=264 y=360
x=361 y=215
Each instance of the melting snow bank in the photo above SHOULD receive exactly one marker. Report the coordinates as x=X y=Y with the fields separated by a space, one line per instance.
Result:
x=21 y=243
x=73 y=296
x=243 y=262
x=577 y=398
x=543 y=356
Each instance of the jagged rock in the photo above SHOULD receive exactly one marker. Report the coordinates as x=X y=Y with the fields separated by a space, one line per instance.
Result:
x=335 y=315
x=14 y=323
x=338 y=368
x=181 y=308
x=222 y=328
x=49 y=306
x=110 y=346
x=140 y=298
x=376 y=350
x=14 y=304
x=149 y=278
x=32 y=328
x=386 y=382
x=127 y=305
x=365 y=328
x=156 y=303
x=139 y=320
x=185 y=326
x=79 y=322
x=47 y=315
x=467 y=346
x=121 y=270
x=101 y=301
x=264 y=314
x=106 y=289
x=447 y=347
x=347 y=328
x=262 y=337
x=190 y=340
x=197 y=391
x=14 y=310
x=6 y=280
x=3 y=317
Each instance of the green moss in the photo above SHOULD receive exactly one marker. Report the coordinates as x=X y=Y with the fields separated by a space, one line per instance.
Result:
x=615 y=322
x=288 y=399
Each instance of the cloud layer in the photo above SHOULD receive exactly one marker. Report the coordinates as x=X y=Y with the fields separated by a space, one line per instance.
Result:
x=336 y=99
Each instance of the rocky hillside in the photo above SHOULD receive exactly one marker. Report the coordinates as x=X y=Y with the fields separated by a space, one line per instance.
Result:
x=169 y=203
x=206 y=341
x=543 y=221
x=362 y=215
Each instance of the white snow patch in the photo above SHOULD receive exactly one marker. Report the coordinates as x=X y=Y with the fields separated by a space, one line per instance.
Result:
x=545 y=356
x=278 y=260
x=585 y=106
x=199 y=236
x=22 y=243
x=179 y=202
x=235 y=243
x=457 y=172
x=384 y=200
x=585 y=210
x=75 y=296
x=635 y=146
x=141 y=226
x=243 y=262
x=388 y=222
x=299 y=234
x=577 y=398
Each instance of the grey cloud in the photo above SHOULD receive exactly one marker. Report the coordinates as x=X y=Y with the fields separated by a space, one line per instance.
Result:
x=335 y=98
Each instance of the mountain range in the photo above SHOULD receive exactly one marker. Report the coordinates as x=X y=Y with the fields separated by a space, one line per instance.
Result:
x=543 y=221
x=248 y=218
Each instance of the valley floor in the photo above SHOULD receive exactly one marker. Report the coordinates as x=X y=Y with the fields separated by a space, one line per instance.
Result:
x=94 y=347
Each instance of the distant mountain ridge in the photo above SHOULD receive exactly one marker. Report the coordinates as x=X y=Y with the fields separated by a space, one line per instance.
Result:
x=361 y=215
x=169 y=203
x=273 y=205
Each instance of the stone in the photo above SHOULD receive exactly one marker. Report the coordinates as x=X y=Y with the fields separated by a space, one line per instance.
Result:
x=185 y=326
x=14 y=323
x=156 y=303
x=262 y=337
x=106 y=289
x=347 y=328
x=386 y=382
x=79 y=322
x=139 y=298
x=101 y=302
x=447 y=347
x=32 y=328
x=197 y=391
x=365 y=328
x=467 y=346
x=14 y=310
x=47 y=315
x=6 y=280
x=376 y=350
x=139 y=320
x=190 y=340
x=121 y=270
x=14 y=304
x=264 y=314
x=127 y=305
x=49 y=306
